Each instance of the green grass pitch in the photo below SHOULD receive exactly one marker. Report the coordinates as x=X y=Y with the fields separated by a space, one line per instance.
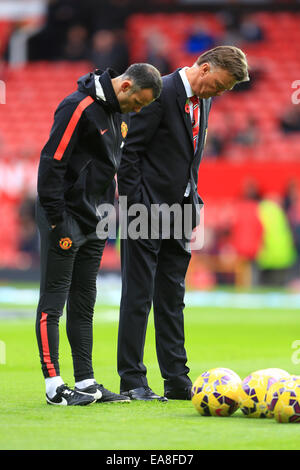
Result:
x=243 y=340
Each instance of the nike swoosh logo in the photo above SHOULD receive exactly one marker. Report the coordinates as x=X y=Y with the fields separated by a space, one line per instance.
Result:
x=103 y=131
x=97 y=395
x=62 y=402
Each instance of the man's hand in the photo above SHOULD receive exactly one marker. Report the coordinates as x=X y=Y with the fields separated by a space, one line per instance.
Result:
x=61 y=235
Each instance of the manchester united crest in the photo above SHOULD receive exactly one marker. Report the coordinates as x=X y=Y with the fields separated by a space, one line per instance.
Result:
x=65 y=243
x=124 y=129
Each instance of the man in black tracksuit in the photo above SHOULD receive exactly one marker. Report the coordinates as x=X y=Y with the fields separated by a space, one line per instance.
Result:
x=76 y=173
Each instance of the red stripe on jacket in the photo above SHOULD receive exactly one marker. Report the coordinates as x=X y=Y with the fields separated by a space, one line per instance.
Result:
x=71 y=126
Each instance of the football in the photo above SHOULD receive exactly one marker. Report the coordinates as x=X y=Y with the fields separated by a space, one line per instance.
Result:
x=275 y=373
x=272 y=394
x=253 y=390
x=283 y=400
x=214 y=393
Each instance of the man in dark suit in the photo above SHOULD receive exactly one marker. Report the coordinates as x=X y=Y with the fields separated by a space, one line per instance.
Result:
x=160 y=163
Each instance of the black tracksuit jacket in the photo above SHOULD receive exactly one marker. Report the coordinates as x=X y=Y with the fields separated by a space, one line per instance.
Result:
x=79 y=161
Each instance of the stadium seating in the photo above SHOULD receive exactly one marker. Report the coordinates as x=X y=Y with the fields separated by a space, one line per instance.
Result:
x=33 y=92
x=32 y=95
x=270 y=95
x=6 y=27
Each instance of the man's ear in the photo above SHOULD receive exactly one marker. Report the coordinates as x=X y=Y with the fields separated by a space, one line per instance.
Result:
x=205 y=68
x=126 y=85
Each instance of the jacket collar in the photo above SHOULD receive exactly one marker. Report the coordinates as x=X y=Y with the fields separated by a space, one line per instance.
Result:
x=181 y=102
x=111 y=99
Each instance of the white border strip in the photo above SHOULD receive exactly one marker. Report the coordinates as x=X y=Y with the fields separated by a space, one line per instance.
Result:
x=110 y=296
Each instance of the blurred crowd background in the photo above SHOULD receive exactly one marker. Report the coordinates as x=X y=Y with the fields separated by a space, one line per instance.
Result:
x=250 y=174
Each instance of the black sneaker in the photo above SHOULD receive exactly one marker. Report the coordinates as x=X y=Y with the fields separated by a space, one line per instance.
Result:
x=68 y=397
x=102 y=395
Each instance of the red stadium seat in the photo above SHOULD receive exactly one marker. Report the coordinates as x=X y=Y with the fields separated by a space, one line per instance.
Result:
x=34 y=91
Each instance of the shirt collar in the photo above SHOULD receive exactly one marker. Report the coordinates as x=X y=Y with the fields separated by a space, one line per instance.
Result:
x=186 y=83
x=106 y=92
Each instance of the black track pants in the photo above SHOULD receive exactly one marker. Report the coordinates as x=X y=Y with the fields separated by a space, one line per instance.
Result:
x=67 y=276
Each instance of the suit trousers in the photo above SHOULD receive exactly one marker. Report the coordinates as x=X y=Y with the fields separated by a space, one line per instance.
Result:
x=153 y=271
x=67 y=277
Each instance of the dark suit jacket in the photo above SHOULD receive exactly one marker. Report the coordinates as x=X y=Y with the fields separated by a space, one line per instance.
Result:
x=158 y=158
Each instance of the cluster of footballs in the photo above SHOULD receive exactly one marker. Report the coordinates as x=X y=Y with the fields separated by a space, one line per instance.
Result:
x=266 y=393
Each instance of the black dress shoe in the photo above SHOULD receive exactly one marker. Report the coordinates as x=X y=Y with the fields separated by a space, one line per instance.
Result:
x=179 y=394
x=144 y=394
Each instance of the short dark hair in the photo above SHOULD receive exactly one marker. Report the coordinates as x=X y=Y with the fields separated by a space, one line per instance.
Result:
x=144 y=76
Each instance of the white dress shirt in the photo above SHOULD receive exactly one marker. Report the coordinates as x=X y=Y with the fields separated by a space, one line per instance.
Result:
x=99 y=90
x=189 y=94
